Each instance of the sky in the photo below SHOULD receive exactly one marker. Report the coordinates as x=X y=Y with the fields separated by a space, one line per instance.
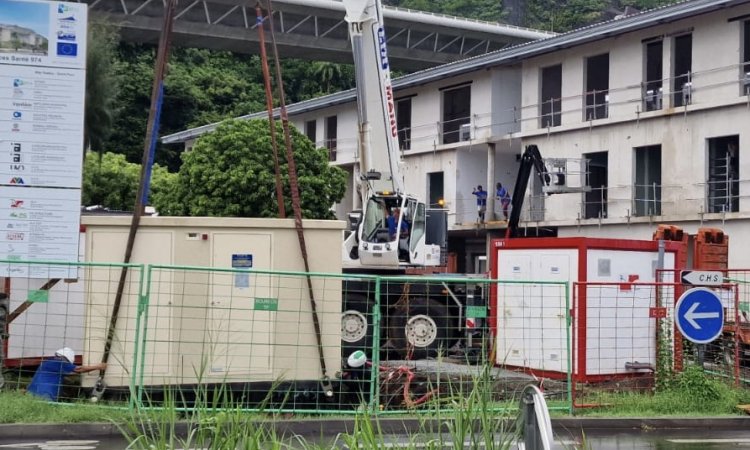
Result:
x=26 y=14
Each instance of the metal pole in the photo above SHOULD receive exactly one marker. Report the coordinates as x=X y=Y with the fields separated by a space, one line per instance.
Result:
x=4 y=308
x=149 y=149
x=269 y=107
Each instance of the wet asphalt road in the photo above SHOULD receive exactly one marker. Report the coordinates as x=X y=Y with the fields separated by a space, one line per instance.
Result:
x=686 y=439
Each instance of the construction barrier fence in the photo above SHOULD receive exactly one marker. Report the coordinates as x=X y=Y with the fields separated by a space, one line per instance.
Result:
x=192 y=337
x=54 y=306
x=627 y=341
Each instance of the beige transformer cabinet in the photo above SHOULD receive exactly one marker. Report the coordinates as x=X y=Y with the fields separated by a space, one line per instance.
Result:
x=207 y=326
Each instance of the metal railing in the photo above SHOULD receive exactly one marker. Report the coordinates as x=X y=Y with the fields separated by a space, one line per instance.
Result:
x=704 y=88
x=243 y=339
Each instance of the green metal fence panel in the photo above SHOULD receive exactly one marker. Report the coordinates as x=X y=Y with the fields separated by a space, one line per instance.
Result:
x=449 y=343
x=197 y=337
x=67 y=305
x=244 y=338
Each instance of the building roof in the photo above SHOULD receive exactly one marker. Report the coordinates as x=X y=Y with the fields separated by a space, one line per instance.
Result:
x=615 y=27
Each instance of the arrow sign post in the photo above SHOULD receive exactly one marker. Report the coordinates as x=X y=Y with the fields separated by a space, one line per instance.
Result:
x=700 y=315
x=702 y=277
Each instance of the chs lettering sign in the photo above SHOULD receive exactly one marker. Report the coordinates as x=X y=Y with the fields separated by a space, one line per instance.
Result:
x=701 y=277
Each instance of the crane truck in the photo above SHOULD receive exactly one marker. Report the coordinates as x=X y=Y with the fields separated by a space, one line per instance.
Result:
x=417 y=318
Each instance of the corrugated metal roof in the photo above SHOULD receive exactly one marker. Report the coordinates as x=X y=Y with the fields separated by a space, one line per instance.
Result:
x=511 y=55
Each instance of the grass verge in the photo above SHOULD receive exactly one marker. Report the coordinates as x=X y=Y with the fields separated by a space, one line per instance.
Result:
x=18 y=407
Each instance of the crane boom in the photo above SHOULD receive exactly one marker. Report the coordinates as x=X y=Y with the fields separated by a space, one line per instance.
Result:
x=392 y=230
x=378 y=133
x=531 y=158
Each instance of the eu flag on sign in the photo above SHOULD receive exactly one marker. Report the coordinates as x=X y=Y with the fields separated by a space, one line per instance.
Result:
x=67 y=49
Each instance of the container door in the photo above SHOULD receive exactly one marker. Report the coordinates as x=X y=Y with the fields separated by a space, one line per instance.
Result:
x=241 y=307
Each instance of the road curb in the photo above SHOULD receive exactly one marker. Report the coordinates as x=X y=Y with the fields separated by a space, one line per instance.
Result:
x=332 y=427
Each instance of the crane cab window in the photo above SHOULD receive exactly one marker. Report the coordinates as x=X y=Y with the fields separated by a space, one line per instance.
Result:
x=374 y=226
x=419 y=224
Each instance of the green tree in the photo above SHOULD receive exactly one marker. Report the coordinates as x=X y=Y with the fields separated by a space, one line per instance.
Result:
x=110 y=181
x=230 y=173
x=201 y=87
x=327 y=73
x=101 y=85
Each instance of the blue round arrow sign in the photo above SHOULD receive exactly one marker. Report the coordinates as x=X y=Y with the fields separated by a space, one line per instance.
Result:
x=700 y=315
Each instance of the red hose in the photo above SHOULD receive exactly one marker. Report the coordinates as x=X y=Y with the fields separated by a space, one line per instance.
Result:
x=409 y=377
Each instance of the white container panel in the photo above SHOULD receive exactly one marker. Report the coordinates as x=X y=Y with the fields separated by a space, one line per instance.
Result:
x=151 y=246
x=531 y=328
x=618 y=327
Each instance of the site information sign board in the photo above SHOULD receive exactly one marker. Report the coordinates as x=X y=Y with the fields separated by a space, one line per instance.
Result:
x=42 y=92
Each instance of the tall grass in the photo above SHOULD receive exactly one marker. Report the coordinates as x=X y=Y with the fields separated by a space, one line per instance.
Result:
x=692 y=392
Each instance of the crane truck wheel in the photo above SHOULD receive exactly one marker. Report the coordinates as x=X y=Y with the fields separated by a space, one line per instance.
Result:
x=425 y=331
x=356 y=325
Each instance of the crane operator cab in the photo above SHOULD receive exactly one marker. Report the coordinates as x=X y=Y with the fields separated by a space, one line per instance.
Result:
x=392 y=233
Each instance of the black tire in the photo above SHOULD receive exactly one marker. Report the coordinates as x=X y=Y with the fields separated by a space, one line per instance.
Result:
x=426 y=330
x=356 y=325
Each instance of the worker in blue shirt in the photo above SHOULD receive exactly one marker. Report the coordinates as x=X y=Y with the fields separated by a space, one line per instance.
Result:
x=48 y=379
x=503 y=196
x=481 y=202
x=392 y=221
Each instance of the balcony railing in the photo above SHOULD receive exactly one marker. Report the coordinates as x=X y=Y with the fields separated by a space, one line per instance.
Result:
x=597 y=105
x=615 y=204
x=454 y=130
x=708 y=87
x=331 y=145
x=551 y=113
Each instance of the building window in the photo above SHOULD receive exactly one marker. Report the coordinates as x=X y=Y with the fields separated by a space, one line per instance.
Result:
x=745 y=68
x=723 y=174
x=456 y=114
x=435 y=189
x=330 y=136
x=652 y=86
x=683 y=66
x=595 y=200
x=311 y=130
x=597 y=87
x=647 y=183
x=403 y=123
x=551 y=96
